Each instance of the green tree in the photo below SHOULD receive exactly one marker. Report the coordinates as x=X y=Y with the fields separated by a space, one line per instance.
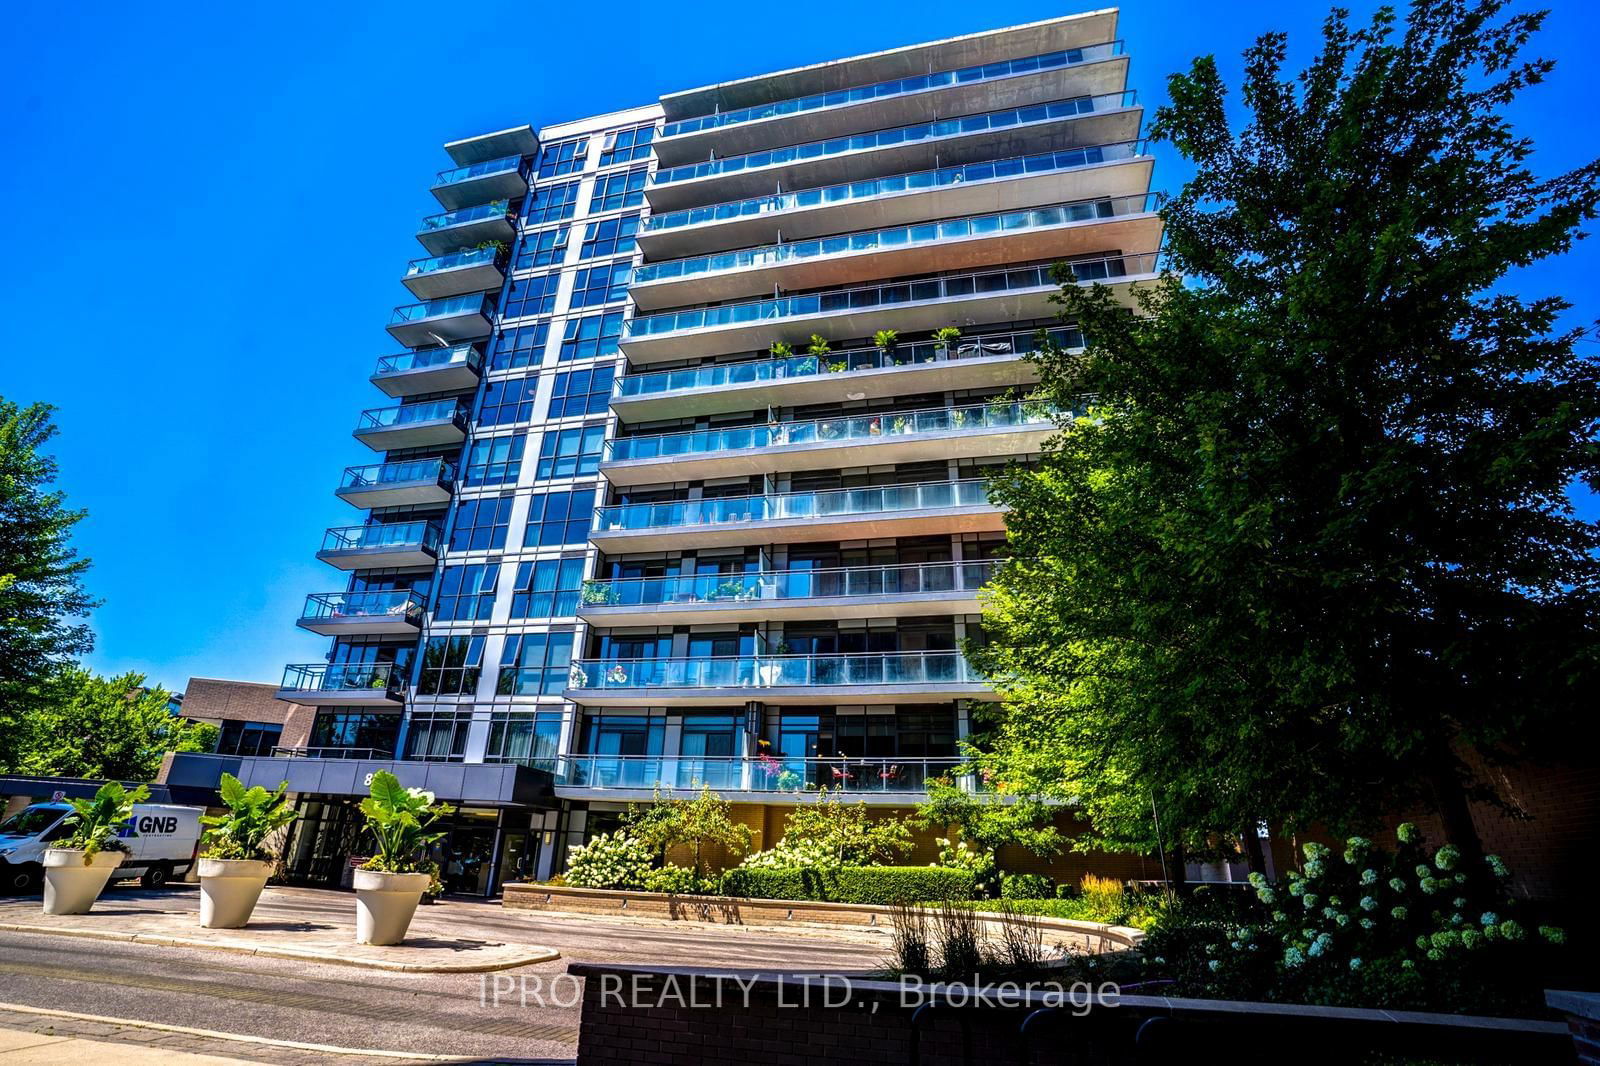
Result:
x=111 y=727
x=1314 y=542
x=846 y=831
x=696 y=823
x=41 y=591
x=989 y=821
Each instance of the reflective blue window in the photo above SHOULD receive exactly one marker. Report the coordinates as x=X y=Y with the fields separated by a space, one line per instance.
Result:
x=624 y=146
x=535 y=664
x=571 y=452
x=466 y=593
x=481 y=524
x=614 y=191
x=508 y=401
x=591 y=336
x=552 y=203
x=547 y=589
x=582 y=392
x=603 y=284
x=542 y=248
x=612 y=236
x=563 y=157
x=521 y=346
x=494 y=460
x=559 y=518
x=531 y=296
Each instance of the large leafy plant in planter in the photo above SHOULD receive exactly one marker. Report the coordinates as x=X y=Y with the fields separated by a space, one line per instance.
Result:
x=401 y=821
x=253 y=815
x=95 y=820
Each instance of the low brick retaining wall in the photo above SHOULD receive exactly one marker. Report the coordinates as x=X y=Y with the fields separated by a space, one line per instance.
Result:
x=641 y=1015
x=731 y=910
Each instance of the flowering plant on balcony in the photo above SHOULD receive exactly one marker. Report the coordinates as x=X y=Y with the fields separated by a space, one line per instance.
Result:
x=577 y=677
x=617 y=675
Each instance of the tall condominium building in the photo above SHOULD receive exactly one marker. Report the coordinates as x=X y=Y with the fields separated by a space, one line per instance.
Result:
x=678 y=474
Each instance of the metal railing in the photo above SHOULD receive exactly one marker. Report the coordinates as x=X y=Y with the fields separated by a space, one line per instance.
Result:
x=469 y=257
x=1005 y=68
x=421 y=535
x=478 y=170
x=847 y=428
x=406 y=414
x=918 y=181
x=343 y=677
x=428 y=358
x=772 y=773
x=308 y=752
x=846 y=360
x=769 y=585
x=1010 y=118
x=472 y=303
x=826 y=503
x=387 y=475
x=446 y=219
x=907 y=236
x=330 y=606
x=774 y=671
x=999 y=281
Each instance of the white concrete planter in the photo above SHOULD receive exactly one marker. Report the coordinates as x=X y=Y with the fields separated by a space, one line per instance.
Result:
x=70 y=887
x=229 y=889
x=385 y=904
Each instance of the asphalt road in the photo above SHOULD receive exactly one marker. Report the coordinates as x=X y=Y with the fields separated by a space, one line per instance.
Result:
x=436 y=1014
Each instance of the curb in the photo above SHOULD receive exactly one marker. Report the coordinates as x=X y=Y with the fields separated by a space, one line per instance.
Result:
x=266 y=1041
x=529 y=957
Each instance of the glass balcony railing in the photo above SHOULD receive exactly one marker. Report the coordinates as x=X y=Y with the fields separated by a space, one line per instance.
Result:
x=422 y=535
x=472 y=303
x=897 y=237
x=471 y=257
x=332 y=753
x=406 y=414
x=774 y=671
x=396 y=475
x=430 y=358
x=829 y=503
x=1019 y=166
x=1011 y=118
x=846 y=428
x=444 y=220
x=343 y=677
x=948 y=287
x=773 y=773
x=331 y=606
x=775 y=585
x=719 y=375
x=898 y=87
x=456 y=175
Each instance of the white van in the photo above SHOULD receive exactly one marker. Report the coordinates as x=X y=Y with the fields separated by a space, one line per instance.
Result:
x=162 y=840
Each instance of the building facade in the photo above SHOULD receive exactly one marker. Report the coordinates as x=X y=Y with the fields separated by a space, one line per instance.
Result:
x=678 y=475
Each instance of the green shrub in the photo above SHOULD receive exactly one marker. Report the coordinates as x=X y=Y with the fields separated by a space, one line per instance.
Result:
x=678 y=879
x=851 y=884
x=610 y=860
x=1141 y=912
x=1027 y=886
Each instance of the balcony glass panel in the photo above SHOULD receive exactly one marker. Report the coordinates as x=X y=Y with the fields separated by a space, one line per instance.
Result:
x=773 y=671
x=468 y=258
x=478 y=170
x=775 y=585
x=769 y=774
x=952 y=286
x=324 y=606
x=423 y=535
x=332 y=753
x=426 y=358
x=859 y=427
x=898 y=87
x=408 y=413
x=328 y=677
x=1020 y=166
x=877 y=499
x=897 y=237
x=717 y=375
x=469 y=304
x=950 y=127
x=420 y=471
x=497 y=209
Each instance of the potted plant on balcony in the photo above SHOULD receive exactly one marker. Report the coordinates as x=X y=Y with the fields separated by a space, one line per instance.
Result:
x=597 y=593
x=780 y=350
x=235 y=861
x=946 y=339
x=390 y=884
x=885 y=339
x=76 y=871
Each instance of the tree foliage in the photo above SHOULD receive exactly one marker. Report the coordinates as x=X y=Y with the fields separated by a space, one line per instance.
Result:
x=41 y=591
x=705 y=820
x=844 y=831
x=112 y=727
x=1314 y=541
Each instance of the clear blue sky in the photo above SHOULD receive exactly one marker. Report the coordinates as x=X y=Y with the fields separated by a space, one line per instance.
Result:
x=211 y=206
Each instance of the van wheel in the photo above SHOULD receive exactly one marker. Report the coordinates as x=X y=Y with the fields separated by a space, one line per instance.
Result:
x=27 y=878
x=156 y=877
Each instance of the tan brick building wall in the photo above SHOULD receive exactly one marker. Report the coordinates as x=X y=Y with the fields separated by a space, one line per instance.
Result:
x=214 y=700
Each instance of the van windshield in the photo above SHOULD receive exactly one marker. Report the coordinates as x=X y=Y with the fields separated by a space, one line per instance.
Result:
x=30 y=821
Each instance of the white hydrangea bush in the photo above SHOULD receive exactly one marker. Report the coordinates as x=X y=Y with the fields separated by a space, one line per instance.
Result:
x=610 y=860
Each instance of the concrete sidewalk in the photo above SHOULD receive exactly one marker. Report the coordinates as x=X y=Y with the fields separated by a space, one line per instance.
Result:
x=18 y=1046
x=171 y=918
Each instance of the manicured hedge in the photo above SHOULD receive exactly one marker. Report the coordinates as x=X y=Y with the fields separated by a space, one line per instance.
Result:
x=853 y=884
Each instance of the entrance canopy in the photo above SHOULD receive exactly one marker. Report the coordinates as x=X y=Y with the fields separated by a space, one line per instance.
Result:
x=473 y=784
